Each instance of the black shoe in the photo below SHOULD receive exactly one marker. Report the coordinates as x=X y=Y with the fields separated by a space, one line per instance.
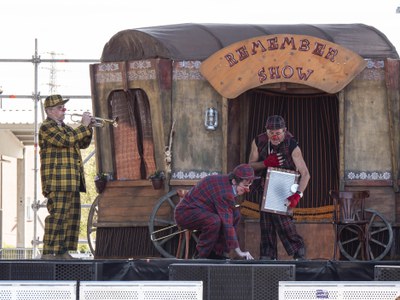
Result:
x=48 y=257
x=214 y=255
x=267 y=258
x=196 y=255
x=65 y=255
x=298 y=257
x=300 y=254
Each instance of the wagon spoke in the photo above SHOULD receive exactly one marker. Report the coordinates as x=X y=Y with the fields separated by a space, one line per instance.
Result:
x=92 y=225
x=350 y=241
x=158 y=221
x=168 y=239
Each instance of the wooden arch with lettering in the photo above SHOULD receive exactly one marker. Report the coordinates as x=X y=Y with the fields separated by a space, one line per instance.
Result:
x=292 y=58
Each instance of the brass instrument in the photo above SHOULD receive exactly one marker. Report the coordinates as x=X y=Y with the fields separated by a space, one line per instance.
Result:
x=96 y=121
x=172 y=227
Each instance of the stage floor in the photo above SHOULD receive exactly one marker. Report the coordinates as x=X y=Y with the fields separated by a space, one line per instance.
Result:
x=159 y=269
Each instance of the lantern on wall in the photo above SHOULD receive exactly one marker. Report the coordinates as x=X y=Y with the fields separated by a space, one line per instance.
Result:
x=211 y=118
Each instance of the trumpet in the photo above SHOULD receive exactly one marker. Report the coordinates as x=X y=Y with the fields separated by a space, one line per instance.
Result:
x=96 y=121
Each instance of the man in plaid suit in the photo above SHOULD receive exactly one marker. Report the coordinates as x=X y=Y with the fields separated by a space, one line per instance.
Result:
x=211 y=208
x=62 y=177
x=277 y=147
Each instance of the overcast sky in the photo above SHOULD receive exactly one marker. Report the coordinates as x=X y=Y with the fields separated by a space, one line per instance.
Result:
x=79 y=28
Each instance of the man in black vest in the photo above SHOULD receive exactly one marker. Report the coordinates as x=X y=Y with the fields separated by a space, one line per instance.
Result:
x=278 y=148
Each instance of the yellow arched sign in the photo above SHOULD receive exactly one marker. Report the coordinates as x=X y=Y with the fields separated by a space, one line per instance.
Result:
x=281 y=58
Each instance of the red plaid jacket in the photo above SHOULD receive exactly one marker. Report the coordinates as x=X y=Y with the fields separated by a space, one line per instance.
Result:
x=213 y=194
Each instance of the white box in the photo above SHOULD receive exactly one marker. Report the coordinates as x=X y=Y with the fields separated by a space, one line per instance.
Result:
x=143 y=290
x=340 y=290
x=38 y=290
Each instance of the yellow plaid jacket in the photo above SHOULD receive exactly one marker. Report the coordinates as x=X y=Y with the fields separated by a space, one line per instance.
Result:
x=61 y=165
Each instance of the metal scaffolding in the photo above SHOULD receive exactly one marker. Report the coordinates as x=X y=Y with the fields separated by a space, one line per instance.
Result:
x=36 y=97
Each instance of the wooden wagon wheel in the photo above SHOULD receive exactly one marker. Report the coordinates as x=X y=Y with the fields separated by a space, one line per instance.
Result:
x=380 y=237
x=167 y=237
x=92 y=225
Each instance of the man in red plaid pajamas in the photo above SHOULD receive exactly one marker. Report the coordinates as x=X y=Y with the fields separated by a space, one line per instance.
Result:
x=211 y=208
x=277 y=148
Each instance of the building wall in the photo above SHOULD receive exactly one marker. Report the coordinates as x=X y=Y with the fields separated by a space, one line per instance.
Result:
x=10 y=202
x=9 y=180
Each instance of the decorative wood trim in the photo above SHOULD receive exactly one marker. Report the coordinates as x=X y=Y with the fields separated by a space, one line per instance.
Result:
x=278 y=58
x=369 y=183
x=177 y=182
x=368 y=175
x=187 y=70
x=191 y=174
x=120 y=224
x=128 y=183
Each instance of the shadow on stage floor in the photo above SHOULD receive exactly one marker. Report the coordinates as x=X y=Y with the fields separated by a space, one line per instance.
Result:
x=160 y=268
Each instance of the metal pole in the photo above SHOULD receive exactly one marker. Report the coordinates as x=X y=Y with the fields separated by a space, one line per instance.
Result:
x=36 y=60
x=36 y=99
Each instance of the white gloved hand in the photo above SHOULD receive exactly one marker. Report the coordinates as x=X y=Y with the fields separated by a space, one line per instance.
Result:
x=245 y=254
x=86 y=119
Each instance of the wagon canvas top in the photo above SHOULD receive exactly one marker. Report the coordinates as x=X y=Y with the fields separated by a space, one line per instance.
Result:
x=198 y=41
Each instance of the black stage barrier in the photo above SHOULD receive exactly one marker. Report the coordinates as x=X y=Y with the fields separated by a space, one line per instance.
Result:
x=158 y=269
x=50 y=270
x=334 y=270
x=307 y=270
x=235 y=281
x=387 y=273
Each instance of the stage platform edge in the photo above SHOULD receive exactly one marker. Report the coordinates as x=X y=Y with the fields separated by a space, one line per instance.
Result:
x=159 y=269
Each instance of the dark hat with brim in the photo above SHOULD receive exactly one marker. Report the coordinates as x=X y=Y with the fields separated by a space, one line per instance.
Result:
x=244 y=171
x=54 y=100
x=275 y=122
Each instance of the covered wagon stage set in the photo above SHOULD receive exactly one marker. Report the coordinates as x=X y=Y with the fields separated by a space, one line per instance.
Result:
x=190 y=99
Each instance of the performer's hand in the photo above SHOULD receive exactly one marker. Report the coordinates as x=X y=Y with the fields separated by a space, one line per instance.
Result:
x=294 y=199
x=245 y=254
x=273 y=160
x=86 y=119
